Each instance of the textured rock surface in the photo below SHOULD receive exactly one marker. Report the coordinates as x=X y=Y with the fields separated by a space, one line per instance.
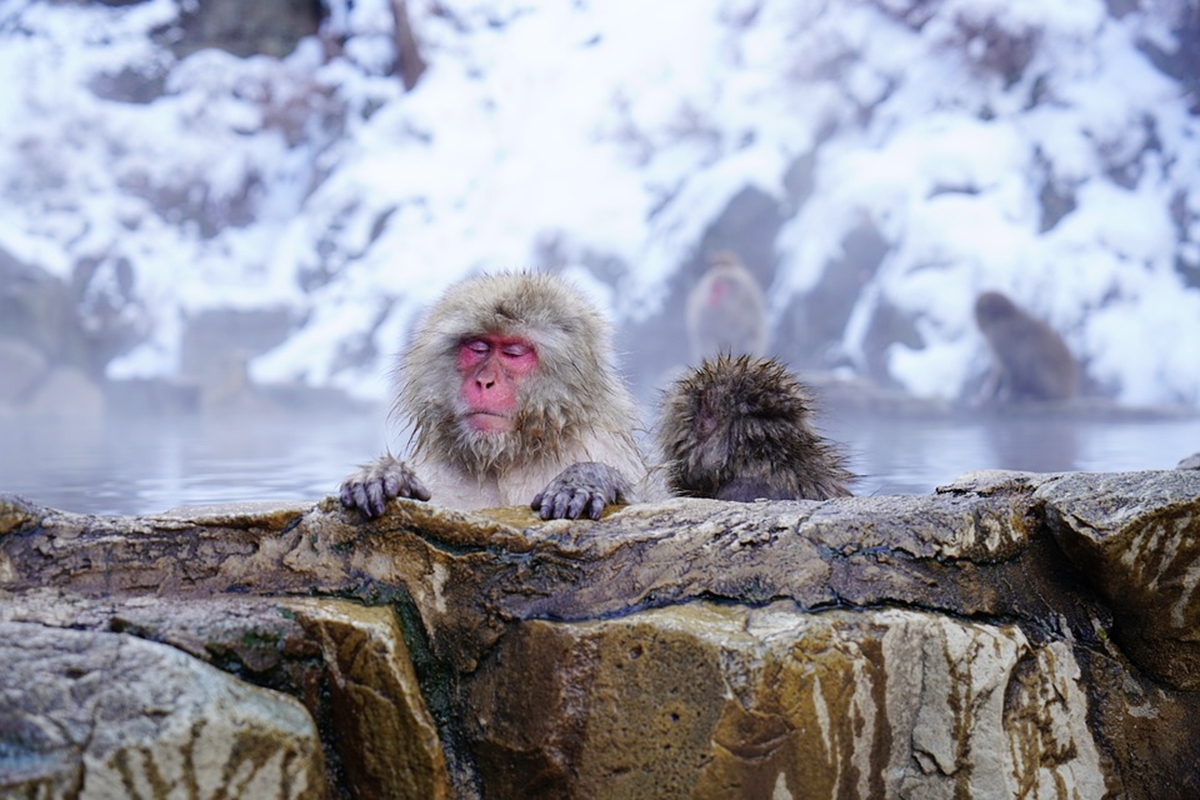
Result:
x=1139 y=544
x=1012 y=635
x=347 y=663
x=91 y=714
x=748 y=703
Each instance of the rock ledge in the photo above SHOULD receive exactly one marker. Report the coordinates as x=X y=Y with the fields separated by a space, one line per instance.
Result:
x=1011 y=635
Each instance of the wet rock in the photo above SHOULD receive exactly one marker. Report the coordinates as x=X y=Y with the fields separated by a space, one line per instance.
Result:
x=348 y=664
x=1011 y=635
x=708 y=700
x=383 y=731
x=1136 y=536
x=94 y=714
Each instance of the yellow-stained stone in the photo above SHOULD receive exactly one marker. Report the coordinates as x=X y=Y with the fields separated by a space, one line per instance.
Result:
x=384 y=732
x=720 y=701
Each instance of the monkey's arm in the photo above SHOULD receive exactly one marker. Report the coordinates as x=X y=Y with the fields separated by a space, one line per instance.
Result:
x=370 y=486
x=583 y=488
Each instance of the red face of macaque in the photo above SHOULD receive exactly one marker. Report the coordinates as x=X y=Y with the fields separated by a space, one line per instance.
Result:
x=719 y=291
x=492 y=367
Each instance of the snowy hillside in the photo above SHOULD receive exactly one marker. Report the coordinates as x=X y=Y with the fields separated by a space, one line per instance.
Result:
x=1026 y=146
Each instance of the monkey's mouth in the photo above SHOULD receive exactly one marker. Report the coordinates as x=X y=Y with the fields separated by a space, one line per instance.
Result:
x=486 y=422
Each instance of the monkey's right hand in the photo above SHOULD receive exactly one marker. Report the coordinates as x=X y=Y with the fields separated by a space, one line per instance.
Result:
x=581 y=489
x=370 y=486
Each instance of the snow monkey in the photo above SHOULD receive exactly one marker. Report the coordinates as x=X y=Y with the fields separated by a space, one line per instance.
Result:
x=740 y=429
x=1031 y=361
x=726 y=311
x=511 y=391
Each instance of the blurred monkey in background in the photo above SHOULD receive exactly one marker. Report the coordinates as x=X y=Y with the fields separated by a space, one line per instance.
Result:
x=1031 y=361
x=727 y=311
x=513 y=397
x=741 y=429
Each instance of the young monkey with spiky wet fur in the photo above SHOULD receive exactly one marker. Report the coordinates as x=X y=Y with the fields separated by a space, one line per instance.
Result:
x=510 y=389
x=740 y=429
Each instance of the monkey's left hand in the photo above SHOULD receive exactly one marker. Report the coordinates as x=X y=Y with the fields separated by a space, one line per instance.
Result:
x=583 y=488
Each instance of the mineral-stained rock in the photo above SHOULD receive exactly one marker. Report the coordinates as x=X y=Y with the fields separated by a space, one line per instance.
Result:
x=718 y=701
x=1137 y=538
x=98 y=715
x=384 y=733
x=346 y=662
x=1011 y=635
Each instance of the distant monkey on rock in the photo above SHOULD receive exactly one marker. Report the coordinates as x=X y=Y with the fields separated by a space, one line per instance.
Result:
x=741 y=429
x=1031 y=361
x=513 y=398
x=727 y=311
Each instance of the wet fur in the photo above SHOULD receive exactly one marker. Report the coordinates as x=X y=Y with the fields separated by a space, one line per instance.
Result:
x=575 y=409
x=740 y=429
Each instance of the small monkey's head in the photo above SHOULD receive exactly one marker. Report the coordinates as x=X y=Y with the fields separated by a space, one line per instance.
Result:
x=728 y=412
x=992 y=308
x=726 y=278
x=506 y=369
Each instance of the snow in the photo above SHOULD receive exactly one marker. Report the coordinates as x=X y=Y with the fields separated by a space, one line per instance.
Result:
x=621 y=129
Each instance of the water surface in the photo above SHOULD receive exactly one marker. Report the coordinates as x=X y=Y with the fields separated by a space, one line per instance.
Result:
x=149 y=465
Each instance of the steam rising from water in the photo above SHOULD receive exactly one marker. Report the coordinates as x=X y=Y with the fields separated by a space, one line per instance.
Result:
x=142 y=466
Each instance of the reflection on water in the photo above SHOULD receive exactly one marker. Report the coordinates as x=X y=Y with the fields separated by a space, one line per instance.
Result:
x=152 y=465
x=900 y=456
x=138 y=467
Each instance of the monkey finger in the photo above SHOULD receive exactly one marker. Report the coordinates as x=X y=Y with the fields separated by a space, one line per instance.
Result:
x=391 y=484
x=562 y=503
x=596 y=507
x=404 y=483
x=581 y=501
x=543 y=503
x=376 y=499
x=356 y=493
x=417 y=490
